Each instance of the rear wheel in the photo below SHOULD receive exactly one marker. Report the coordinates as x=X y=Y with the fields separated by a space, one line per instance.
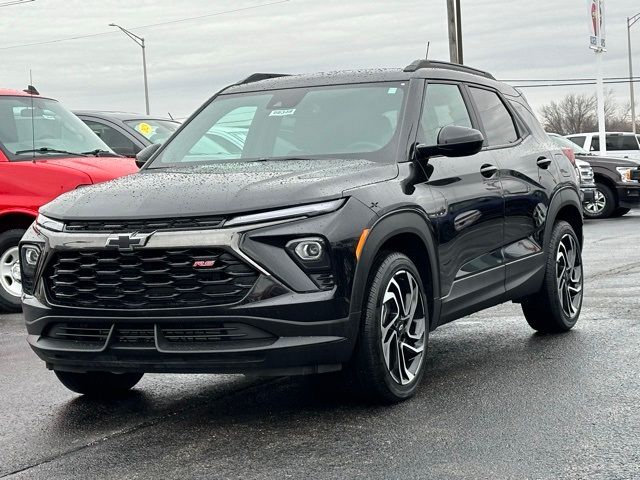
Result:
x=388 y=363
x=99 y=384
x=603 y=204
x=556 y=307
x=10 y=280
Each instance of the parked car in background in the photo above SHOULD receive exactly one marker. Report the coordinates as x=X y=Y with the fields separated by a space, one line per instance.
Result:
x=344 y=230
x=619 y=144
x=128 y=133
x=617 y=189
x=45 y=150
x=584 y=170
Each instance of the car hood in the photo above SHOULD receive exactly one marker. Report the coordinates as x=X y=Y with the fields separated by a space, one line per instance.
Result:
x=609 y=162
x=225 y=188
x=99 y=169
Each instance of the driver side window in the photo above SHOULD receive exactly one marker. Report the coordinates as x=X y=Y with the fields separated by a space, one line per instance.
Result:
x=443 y=105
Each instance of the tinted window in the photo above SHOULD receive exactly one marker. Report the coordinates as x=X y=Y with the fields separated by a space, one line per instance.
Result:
x=443 y=105
x=118 y=142
x=578 y=140
x=622 y=142
x=496 y=119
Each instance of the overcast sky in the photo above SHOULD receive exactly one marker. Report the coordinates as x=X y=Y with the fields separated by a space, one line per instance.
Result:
x=189 y=60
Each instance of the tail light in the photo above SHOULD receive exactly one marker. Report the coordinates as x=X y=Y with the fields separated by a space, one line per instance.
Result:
x=570 y=154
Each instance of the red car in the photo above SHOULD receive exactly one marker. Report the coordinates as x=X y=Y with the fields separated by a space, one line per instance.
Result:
x=45 y=150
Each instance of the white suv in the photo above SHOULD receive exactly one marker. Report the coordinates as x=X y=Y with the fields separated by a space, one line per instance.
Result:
x=619 y=144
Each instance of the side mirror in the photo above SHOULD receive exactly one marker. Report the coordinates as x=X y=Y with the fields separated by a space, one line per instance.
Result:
x=146 y=153
x=453 y=141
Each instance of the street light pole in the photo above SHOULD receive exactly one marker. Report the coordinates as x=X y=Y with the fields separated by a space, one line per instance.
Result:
x=140 y=41
x=454 y=22
x=630 y=22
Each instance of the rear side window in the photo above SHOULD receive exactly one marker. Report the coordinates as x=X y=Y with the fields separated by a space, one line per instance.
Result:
x=496 y=119
x=443 y=105
x=620 y=142
x=117 y=141
x=578 y=140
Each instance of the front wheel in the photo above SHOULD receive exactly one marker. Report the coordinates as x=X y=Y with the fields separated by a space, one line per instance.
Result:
x=603 y=204
x=99 y=384
x=389 y=359
x=556 y=307
x=10 y=280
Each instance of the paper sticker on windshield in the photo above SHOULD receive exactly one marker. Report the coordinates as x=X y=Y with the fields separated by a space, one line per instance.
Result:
x=144 y=128
x=282 y=112
x=392 y=90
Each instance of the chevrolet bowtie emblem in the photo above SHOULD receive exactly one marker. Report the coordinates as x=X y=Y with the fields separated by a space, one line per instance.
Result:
x=128 y=241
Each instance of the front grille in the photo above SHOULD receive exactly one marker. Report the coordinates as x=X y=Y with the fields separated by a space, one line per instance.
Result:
x=586 y=175
x=147 y=278
x=80 y=333
x=144 y=225
x=172 y=337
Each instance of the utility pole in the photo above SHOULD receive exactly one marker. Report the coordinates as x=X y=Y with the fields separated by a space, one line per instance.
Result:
x=140 y=41
x=630 y=22
x=454 y=22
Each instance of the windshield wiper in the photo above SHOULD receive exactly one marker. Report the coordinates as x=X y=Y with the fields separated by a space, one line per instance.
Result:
x=98 y=152
x=49 y=150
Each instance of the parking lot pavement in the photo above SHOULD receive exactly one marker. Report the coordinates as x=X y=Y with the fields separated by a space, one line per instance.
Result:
x=498 y=402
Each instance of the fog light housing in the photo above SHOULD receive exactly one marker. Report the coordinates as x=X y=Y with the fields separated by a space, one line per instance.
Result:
x=29 y=260
x=312 y=255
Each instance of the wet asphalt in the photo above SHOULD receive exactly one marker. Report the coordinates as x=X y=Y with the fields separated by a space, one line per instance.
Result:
x=498 y=401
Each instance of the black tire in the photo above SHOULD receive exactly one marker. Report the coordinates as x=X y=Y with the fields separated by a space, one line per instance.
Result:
x=620 y=211
x=545 y=311
x=610 y=203
x=368 y=371
x=99 y=384
x=8 y=301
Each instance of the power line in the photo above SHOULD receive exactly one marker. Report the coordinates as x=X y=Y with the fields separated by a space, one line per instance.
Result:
x=566 y=79
x=635 y=80
x=140 y=27
x=15 y=2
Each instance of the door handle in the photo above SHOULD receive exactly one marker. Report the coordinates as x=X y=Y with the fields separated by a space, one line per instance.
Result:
x=543 y=162
x=488 y=170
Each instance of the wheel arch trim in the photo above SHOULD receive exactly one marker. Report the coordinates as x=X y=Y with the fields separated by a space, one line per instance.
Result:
x=394 y=224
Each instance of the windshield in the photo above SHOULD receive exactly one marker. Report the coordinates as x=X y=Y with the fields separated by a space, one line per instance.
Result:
x=564 y=142
x=156 y=131
x=48 y=126
x=350 y=121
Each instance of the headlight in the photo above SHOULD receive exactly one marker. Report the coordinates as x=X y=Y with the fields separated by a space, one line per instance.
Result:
x=49 y=223
x=283 y=213
x=625 y=174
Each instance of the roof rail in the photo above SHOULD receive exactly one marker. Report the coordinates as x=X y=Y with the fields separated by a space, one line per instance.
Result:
x=256 y=77
x=421 y=63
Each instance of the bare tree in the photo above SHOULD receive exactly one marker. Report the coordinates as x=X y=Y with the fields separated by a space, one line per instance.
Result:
x=578 y=113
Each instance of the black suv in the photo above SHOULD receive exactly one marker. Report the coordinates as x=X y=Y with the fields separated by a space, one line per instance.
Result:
x=361 y=211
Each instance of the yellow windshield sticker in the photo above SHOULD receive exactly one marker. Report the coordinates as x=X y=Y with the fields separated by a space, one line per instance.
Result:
x=144 y=128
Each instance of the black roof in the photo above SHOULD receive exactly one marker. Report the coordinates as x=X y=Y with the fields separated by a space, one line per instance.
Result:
x=425 y=69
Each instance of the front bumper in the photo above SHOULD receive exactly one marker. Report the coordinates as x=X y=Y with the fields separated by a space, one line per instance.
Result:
x=588 y=194
x=286 y=323
x=141 y=344
x=628 y=195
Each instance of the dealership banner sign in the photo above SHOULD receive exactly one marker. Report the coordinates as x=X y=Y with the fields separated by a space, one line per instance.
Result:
x=596 y=24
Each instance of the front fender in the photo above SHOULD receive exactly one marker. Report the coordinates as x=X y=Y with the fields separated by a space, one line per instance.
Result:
x=405 y=221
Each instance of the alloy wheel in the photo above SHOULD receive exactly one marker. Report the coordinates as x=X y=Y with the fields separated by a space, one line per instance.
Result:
x=569 y=275
x=403 y=326
x=598 y=205
x=10 y=279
